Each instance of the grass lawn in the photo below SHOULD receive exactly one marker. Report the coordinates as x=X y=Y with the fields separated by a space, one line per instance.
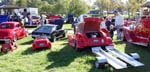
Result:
x=67 y=26
x=62 y=58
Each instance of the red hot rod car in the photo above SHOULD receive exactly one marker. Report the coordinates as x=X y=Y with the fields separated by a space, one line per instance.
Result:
x=89 y=34
x=139 y=32
x=12 y=30
x=41 y=42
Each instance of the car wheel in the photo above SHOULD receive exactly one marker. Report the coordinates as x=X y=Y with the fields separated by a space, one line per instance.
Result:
x=15 y=38
x=64 y=35
x=78 y=49
x=53 y=39
x=6 y=50
x=49 y=47
x=33 y=37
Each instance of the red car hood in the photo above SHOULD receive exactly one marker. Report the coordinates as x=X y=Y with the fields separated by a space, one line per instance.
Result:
x=92 y=24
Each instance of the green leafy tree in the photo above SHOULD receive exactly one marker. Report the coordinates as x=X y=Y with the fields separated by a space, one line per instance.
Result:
x=78 y=7
x=46 y=7
x=135 y=6
x=54 y=6
x=109 y=5
x=103 y=4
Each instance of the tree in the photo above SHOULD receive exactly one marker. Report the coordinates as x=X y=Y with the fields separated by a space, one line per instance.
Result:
x=78 y=7
x=103 y=4
x=61 y=7
x=109 y=5
x=54 y=6
x=22 y=3
x=135 y=5
x=46 y=7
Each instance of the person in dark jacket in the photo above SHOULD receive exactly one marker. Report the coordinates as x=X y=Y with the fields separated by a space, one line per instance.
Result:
x=110 y=27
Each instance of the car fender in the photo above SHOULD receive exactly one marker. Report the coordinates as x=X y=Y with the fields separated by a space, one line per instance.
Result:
x=127 y=33
x=12 y=35
x=71 y=40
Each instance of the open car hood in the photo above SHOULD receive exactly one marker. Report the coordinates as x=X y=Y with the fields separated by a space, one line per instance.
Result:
x=91 y=24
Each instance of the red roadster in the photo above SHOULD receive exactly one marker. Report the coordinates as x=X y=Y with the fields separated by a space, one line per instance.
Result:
x=89 y=34
x=41 y=42
x=139 y=32
x=12 y=30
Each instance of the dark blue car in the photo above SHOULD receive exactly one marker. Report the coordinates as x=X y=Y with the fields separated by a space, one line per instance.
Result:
x=52 y=32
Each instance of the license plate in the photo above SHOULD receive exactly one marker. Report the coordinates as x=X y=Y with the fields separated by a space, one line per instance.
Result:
x=41 y=44
x=95 y=41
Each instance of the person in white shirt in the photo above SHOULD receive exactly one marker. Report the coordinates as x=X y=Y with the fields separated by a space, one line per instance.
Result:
x=103 y=23
x=119 y=21
x=43 y=19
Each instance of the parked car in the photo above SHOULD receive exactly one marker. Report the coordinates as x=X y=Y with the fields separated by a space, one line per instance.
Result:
x=41 y=42
x=52 y=18
x=89 y=34
x=8 y=46
x=139 y=31
x=12 y=31
x=52 y=32
x=35 y=21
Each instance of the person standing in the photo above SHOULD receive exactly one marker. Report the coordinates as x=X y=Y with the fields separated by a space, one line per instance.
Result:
x=119 y=21
x=110 y=27
x=43 y=19
x=26 y=17
x=103 y=23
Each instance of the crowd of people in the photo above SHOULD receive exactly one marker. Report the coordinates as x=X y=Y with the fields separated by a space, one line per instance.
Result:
x=23 y=17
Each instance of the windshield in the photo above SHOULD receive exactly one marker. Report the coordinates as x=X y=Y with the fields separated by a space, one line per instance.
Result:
x=45 y=29
x=6 y=26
